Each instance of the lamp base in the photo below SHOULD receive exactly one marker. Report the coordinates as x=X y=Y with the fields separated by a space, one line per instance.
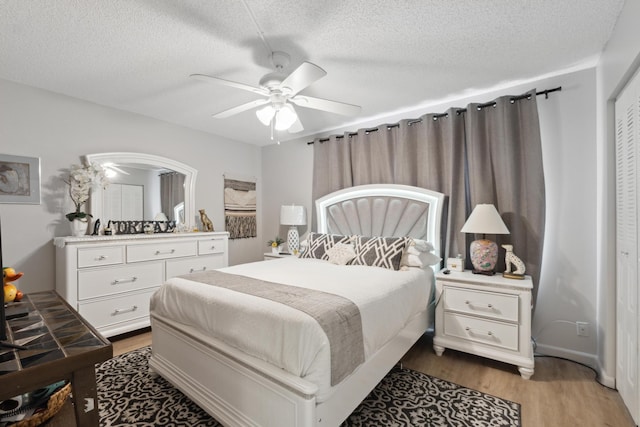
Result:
x=484 y=256
x=483 y=272
x=293 y=240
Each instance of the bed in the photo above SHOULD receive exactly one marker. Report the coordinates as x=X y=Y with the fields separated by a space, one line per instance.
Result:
x=209 y=339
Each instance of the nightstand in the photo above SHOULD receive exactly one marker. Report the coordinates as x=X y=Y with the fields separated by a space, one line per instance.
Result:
x=270 y=255
x=489 y=316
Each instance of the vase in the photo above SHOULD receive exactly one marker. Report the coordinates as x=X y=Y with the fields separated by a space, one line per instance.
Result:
x=79 y=227
x=276 y=250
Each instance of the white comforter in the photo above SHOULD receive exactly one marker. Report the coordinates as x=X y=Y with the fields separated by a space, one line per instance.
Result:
x=286 y=337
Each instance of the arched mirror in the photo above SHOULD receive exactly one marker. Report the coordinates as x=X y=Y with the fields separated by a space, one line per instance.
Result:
x=144 y=187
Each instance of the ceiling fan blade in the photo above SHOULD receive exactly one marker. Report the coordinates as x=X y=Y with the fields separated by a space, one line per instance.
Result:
x=217 y=80
x=296 y=126
x=326 y=105
x=240 y=108
x=302 y=77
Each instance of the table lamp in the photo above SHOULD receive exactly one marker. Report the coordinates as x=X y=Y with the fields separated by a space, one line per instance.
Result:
x=484 y=219
x=293 y=215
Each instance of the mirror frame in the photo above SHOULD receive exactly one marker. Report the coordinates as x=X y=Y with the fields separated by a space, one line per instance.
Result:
x=151 y=160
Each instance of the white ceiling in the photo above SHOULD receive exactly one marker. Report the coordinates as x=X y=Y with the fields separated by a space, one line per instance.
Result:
x=137 y=55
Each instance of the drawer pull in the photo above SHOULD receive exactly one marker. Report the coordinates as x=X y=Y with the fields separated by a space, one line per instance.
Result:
x=124 y=310
x=165 y=252
x=213 y=247
x=471 y=331
x=102 y=257
x=471 y=304
x=118 y=281
x=193 y=270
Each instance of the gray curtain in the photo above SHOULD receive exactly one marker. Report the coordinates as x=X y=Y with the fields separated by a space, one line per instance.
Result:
x=427 y=153
x=478 y=155
x=171 y=192
x=505 y=169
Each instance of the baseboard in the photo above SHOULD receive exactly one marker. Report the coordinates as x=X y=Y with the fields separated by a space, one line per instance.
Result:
x=587 y=359
x=604 y=378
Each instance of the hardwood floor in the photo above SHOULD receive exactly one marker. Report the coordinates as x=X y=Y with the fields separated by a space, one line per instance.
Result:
x=560 y=393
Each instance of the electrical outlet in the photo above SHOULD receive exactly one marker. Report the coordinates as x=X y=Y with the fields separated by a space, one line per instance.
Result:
x=582 y=329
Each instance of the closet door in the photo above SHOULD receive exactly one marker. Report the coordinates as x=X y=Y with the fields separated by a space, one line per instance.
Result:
x=627 y=116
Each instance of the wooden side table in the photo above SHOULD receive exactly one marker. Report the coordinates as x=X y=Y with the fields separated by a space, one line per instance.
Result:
x=488 y=316
x=60 y=345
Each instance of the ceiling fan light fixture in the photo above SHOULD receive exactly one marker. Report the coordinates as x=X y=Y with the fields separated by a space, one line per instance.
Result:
x=265 y=114
x=285 y=117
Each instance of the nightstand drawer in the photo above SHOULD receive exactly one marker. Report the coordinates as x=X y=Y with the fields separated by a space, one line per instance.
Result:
x=486 y=304
x=497 y=334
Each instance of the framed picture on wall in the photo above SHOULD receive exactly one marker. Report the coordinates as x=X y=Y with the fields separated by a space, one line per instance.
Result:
x=19 y=179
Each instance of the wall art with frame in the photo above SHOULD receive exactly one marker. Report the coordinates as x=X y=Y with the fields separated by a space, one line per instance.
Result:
x=19 y=179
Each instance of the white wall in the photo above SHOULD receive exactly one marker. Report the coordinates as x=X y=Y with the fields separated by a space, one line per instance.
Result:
x=619 y=60
x=568 y=286
x=59 y=130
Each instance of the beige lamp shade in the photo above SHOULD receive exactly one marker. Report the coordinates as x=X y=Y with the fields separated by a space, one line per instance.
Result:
x=484 y=219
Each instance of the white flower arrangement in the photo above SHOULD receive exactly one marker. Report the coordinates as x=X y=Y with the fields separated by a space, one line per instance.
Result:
x=81 y=179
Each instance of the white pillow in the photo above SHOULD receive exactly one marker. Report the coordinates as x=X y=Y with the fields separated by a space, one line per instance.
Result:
x=413 y=258
x=421 y=245
x=341 y=253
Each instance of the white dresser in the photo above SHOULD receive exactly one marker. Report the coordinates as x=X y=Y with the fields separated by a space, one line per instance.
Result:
x=488 y=316
x=110 y=279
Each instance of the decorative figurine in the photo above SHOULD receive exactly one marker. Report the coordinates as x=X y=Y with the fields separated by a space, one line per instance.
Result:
x=96 y=228
x=148 y=228
x=207 y=225
x=11 y=292
x=107 y=230
x=511 y=260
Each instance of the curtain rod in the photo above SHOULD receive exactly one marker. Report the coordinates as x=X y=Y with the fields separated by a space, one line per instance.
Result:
x=513 y=99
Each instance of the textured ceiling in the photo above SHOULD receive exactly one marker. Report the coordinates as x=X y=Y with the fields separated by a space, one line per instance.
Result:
x=137 y=55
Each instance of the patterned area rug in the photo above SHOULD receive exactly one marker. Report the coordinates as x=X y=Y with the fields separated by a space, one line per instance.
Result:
x=130 y=396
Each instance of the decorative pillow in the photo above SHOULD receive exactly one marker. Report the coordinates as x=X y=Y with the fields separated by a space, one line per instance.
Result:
x=420 y=260
x=318 y=245
x=380 y=251
x=341 y=253
x=421 y=245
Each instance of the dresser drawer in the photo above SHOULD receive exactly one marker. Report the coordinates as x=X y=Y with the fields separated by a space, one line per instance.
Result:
x=110 y=311
x=211 y=246
x=106 y=255
x=498 y=334
x=488 y=304
x=105 y=281
x=136 y=253
x=179 y=267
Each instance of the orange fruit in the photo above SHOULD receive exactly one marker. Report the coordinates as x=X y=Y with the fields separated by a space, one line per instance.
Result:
x=10 y=292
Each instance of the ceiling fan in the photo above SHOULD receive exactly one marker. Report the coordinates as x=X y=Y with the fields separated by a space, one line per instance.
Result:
x=281 y=92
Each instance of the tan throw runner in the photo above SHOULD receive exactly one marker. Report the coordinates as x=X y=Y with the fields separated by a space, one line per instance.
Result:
x=338 y=316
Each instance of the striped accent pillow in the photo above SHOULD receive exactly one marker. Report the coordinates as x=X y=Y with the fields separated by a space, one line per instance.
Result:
x=380 y=251
x=318 y=244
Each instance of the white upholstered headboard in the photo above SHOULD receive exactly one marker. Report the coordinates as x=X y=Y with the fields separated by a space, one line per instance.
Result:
x=387 y=210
